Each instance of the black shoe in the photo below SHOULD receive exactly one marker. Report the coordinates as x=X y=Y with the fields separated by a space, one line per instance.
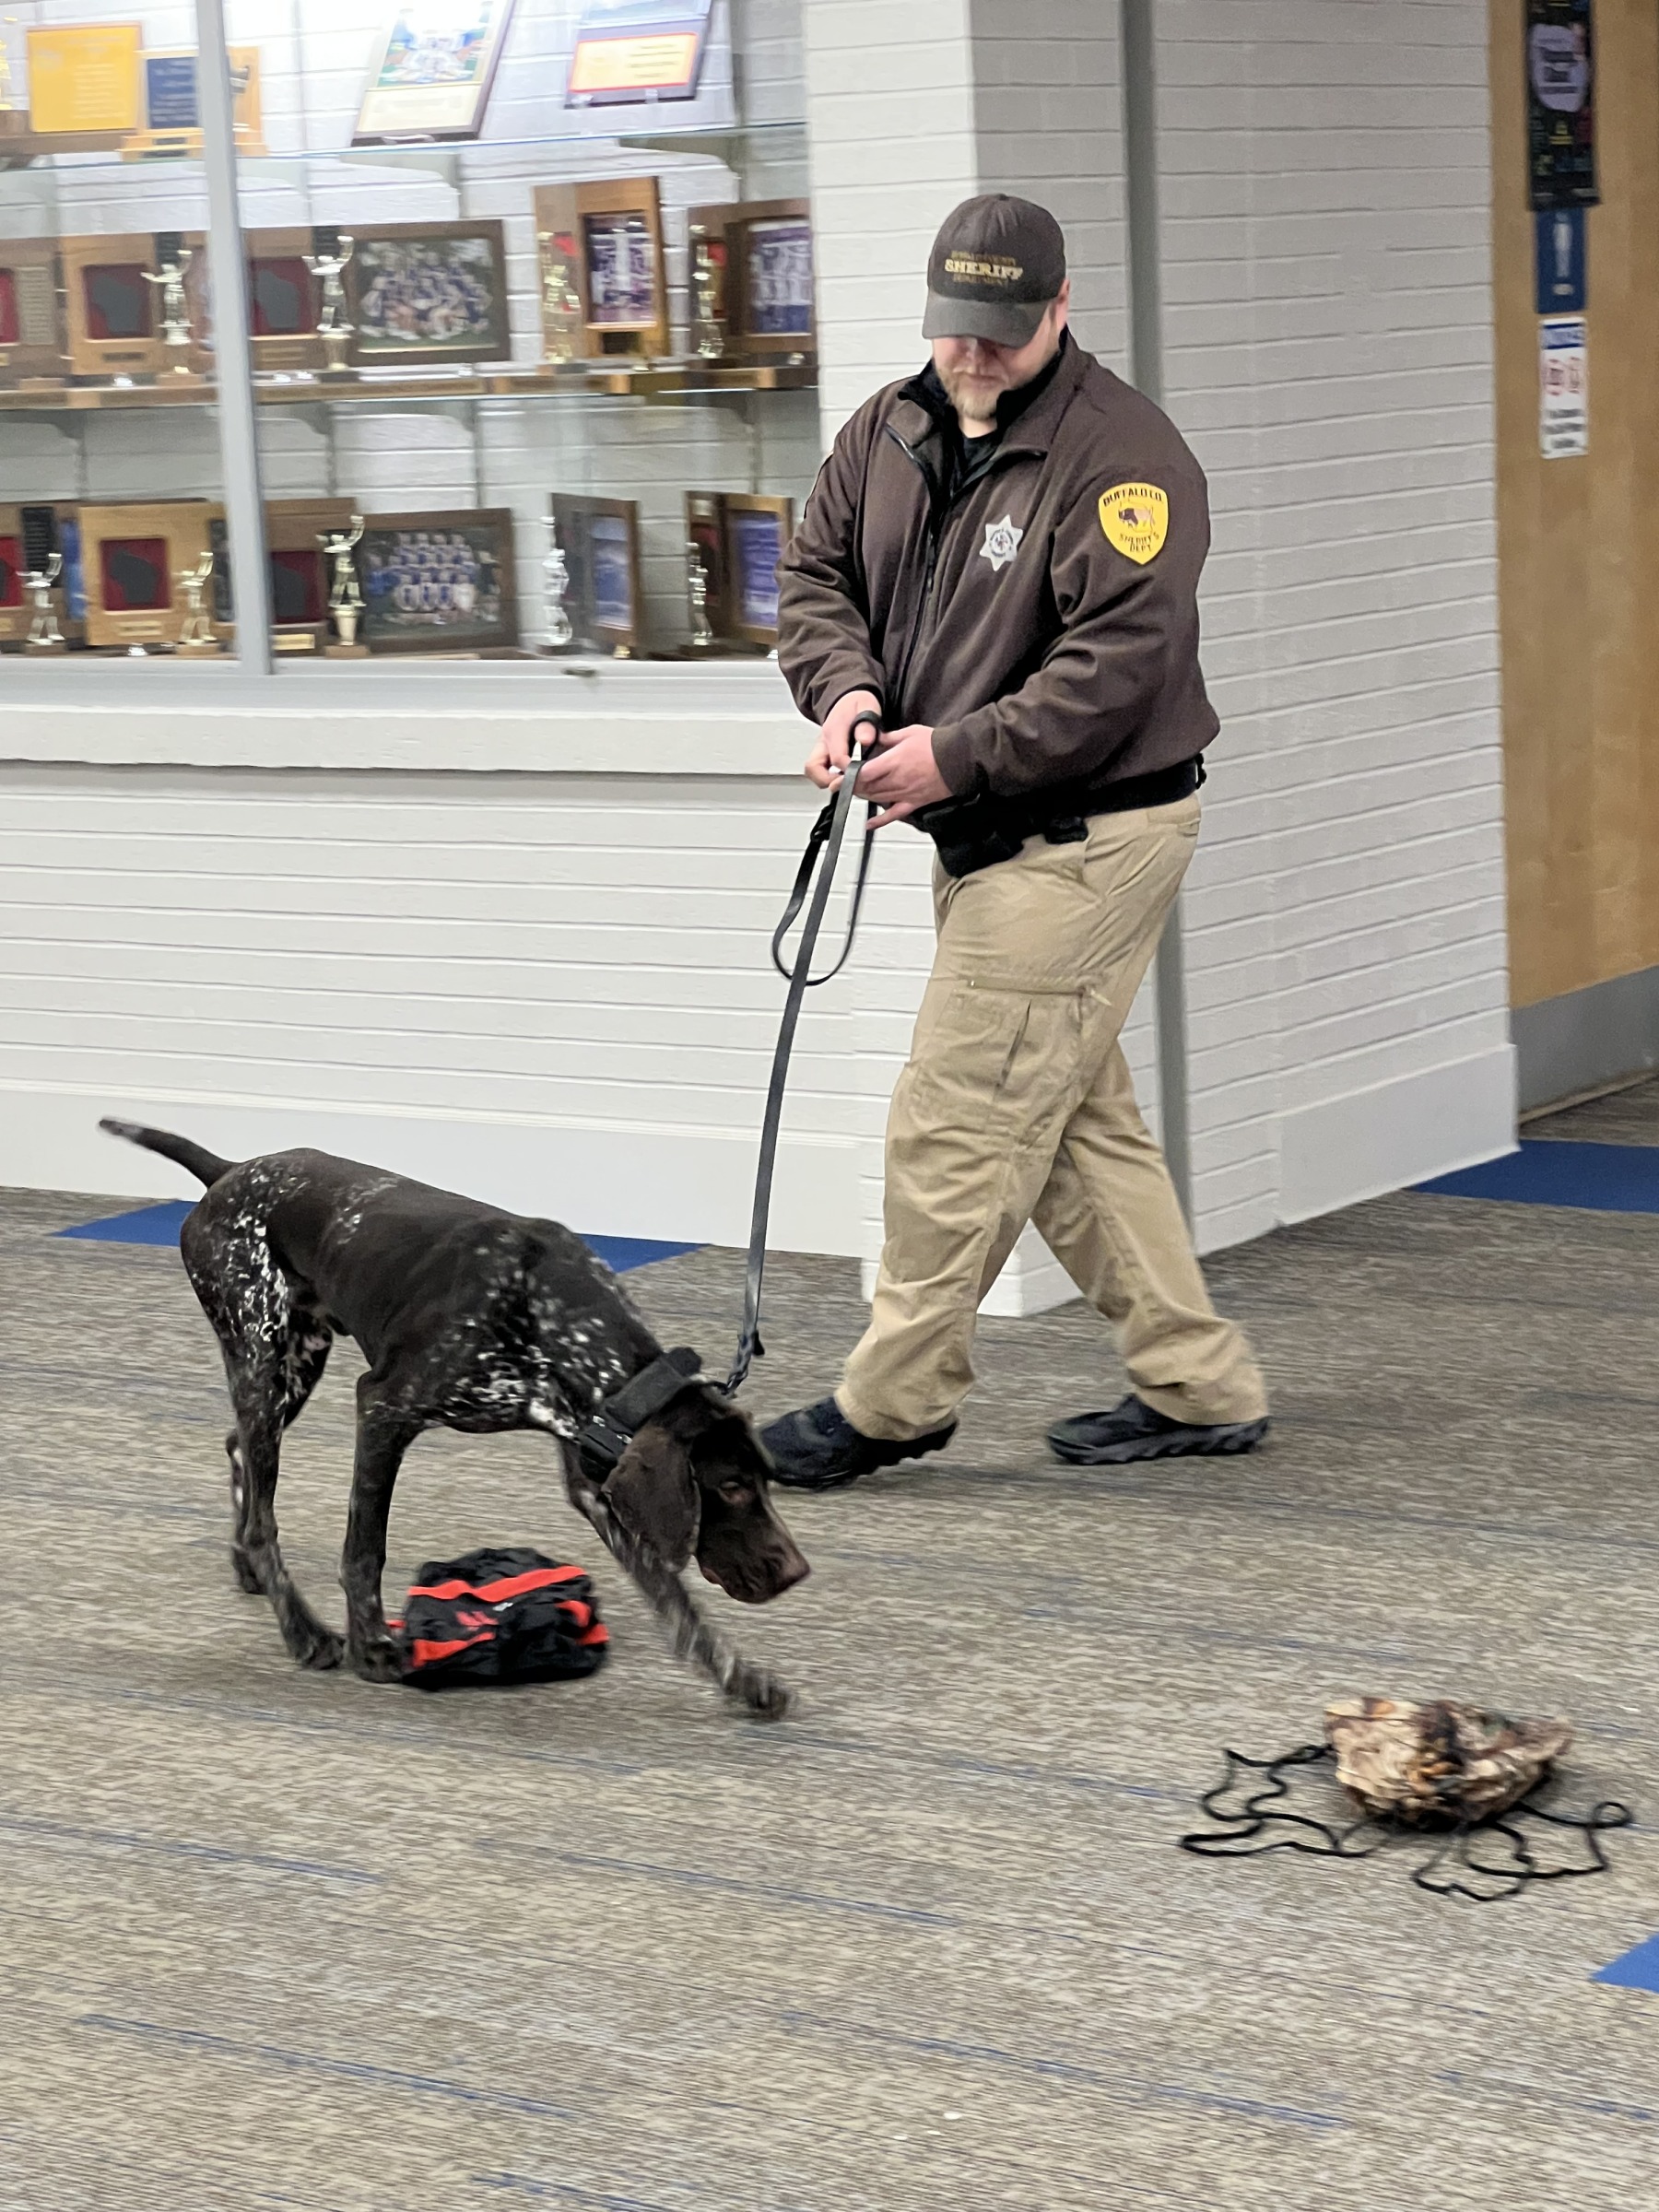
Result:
x=818 y=1449
x=1133 y=1430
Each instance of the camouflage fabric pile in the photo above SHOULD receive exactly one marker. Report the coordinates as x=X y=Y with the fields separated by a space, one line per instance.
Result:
x=1441 y=1763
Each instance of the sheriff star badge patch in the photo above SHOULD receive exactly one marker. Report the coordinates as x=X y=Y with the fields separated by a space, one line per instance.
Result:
x=1002 y=542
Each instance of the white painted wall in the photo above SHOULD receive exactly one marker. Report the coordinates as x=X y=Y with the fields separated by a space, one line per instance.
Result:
x=1325 y=184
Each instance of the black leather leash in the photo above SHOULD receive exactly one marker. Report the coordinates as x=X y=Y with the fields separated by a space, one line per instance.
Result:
x=823 y=851
x=610 y=1429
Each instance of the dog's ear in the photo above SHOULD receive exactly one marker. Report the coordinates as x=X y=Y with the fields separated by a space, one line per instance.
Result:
x=652 y=1492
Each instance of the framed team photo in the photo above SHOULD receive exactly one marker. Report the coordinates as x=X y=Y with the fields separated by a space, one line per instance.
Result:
x=438 y=583
x=431 y=71
x=419 y=293
x=601 y=543
x=757 y=527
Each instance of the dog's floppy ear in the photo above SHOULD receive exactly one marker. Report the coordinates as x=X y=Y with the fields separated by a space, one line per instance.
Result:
x=652 y=1492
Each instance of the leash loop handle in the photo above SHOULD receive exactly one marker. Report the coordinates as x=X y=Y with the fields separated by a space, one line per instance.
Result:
x=823 y=851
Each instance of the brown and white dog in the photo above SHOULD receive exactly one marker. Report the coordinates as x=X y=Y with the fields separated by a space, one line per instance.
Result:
x=472 y=1319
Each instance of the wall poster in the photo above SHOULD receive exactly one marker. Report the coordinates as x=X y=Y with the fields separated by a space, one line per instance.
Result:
x=1561 y=103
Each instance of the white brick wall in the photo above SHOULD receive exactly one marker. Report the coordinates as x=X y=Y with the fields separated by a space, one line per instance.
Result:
x=1325 y=185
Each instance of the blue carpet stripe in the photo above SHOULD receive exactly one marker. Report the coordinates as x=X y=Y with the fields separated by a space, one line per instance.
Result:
x=161 y=1224
x=1605 y=1179
x=1637 y=1969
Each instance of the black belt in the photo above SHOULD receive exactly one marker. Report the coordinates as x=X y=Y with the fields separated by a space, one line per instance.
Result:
x=975 y=833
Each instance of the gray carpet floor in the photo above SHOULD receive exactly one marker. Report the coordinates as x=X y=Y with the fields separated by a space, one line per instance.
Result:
x=271 y=1938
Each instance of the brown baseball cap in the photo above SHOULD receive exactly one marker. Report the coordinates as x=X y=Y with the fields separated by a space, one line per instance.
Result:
x=996 y=265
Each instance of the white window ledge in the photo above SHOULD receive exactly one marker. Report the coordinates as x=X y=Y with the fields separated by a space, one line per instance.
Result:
x=722 y=718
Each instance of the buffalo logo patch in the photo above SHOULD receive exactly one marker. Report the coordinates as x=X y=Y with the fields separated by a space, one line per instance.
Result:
x=1136 y=518
x=1002 y=542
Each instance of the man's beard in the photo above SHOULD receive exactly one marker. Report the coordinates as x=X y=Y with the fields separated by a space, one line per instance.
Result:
x=975 y=396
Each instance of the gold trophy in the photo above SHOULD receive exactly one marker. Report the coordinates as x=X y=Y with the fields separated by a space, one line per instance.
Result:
x=195 y=632
x=332 y=326
x=345 y=598
x=169 y=280
x=561 y=302
x=44 y=636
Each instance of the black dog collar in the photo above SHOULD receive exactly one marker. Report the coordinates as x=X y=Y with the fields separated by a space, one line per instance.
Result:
x=612 y=1427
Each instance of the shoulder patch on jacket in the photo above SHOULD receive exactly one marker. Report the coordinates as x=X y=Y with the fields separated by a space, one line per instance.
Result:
x=1136 y=518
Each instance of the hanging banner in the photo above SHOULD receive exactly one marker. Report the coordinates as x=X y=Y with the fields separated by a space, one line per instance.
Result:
x=1563 y=387
x=1561 y=102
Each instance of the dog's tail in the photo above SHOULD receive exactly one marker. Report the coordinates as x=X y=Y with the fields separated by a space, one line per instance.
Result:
x=194 y=1158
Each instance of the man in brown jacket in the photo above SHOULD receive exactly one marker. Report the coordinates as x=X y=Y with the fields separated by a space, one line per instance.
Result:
x=995 y=583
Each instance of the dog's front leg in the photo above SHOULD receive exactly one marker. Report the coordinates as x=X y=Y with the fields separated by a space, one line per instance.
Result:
x=751 y=1687
x=383 y=1436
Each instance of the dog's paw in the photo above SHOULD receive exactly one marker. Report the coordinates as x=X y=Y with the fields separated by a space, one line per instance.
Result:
x=760 y=1693
x=314 y=1646
x=378 y=1659
x=242 y=1566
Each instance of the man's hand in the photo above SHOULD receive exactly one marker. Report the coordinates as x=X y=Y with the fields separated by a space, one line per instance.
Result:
x=903 y=775
x=827 y=762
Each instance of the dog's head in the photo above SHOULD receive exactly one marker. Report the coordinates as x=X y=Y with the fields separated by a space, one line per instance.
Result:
x=692 y=1484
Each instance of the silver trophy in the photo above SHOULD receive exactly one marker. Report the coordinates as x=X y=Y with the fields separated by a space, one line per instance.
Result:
x=556 y=582
x=332 y=326
x=345 y=595
x=169 y=280
x=195 y=632
x=44 y=636
x=697 y=592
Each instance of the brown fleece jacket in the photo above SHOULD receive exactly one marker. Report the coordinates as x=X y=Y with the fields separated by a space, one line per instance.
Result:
x=1043 y=619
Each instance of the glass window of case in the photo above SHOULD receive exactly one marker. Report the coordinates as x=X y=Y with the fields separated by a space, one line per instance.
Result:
x=110 y=474
x=530 y=306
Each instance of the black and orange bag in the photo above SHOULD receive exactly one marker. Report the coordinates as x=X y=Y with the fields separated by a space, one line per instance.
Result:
x=500 y=1615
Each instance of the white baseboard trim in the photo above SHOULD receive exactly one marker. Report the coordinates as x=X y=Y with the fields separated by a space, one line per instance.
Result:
x=686 y=1186
x=1346 y=1149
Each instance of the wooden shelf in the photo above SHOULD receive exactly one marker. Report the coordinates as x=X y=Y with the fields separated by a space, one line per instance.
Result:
x=617 y=377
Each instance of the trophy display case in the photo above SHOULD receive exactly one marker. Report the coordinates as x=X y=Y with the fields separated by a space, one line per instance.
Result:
x=527 y=360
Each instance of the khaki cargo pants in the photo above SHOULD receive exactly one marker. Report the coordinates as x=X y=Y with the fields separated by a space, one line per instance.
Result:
x=1017 y=1105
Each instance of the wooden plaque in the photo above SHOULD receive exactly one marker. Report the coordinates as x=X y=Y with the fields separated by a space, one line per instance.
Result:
x=114 y=314
x=284 y=301
x=760 y=254
x=419 y=293
x=610 y=233
x=300 y=575
x=31 y=319
x=130 y=558
x=172 y=122
x=85 y=76
x=15 y=613
x=601 y=544
x=438 y=583
x=756 y=529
